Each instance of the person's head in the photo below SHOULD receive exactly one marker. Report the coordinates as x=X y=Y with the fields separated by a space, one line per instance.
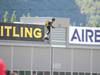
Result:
x=53 y=19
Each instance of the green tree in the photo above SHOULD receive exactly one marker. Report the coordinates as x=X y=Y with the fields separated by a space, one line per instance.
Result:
x=91 y=9
x=28 y=14
x=5 y=17
x=13 y=17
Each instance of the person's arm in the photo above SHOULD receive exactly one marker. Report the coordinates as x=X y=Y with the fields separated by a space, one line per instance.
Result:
x=52 y=26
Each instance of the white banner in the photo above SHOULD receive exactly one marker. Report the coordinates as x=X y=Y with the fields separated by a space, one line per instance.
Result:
x=84 y=35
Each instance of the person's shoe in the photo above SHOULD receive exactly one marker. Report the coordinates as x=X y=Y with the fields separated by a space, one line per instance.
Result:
x=47 y=38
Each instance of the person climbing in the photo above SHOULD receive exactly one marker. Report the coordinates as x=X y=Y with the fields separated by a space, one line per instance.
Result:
x=48 y=25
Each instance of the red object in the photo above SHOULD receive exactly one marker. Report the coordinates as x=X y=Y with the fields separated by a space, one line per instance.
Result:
x=2 y=67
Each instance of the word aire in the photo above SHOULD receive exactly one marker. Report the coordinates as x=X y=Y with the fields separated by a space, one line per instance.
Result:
x=26 y=32
x=84 y=35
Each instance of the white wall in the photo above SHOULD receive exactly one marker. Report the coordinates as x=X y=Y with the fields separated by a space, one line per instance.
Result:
x=64 y=59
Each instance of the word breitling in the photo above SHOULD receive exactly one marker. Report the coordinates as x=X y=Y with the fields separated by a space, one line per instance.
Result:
x=18 y=31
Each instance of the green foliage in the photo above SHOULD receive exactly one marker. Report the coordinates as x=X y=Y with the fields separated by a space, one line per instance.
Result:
x=90 y=9
x=5 y=17
x=28 y=14
x=13 y=17
x=85 y=6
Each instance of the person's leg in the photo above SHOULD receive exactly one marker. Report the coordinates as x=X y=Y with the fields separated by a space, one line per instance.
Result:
x=48 y=33
x=48 y=27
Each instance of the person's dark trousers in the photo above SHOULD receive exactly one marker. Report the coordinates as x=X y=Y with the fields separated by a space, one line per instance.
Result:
x=48 y=27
